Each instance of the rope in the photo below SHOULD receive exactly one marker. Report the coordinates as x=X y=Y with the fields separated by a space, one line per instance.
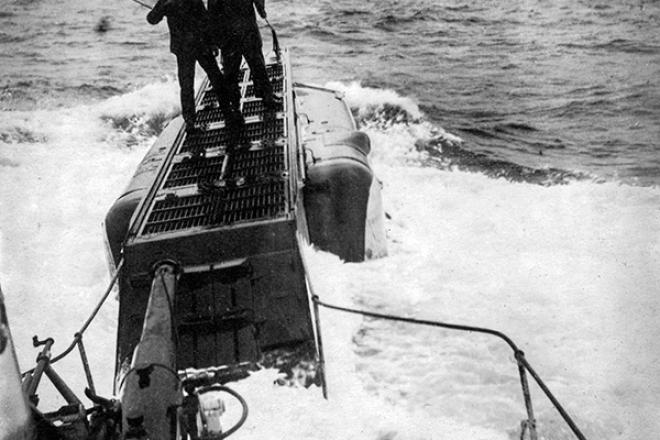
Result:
x=78 y=335
x=276 y=43
x=143 y=4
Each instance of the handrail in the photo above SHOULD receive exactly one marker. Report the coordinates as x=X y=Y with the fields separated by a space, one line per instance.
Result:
x=523 y=364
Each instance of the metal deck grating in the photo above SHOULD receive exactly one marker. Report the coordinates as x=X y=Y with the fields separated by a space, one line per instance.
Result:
x=263 y=200
x=268 y=130
x=277 y=88
x=252 y=108
x=177 y=214
x=273 y=71
x=209 y=115
x=189 y=172
x=240 y=77
x=209 y=95
x=209 y=99
x=255 y=184
x=266 y=163
x=204 y=140
x=253 y=202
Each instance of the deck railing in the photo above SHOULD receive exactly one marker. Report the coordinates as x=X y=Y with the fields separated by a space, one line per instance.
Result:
x=523 y=365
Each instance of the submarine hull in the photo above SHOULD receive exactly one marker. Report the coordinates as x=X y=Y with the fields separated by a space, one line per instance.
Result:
x=231 y=218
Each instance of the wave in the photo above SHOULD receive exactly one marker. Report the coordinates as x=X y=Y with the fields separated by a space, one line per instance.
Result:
x=398 y=123
x=464 y=247
x=410 y=17
x=7 y=38
x=353 y=12
x=5 y=162
x=42 y=93
x=138 y=116
x=516 y=126
x=452 y=156
x=21 y=135
x=102 y=91
x=617 y=45
x=136 y=128
x=122 y=121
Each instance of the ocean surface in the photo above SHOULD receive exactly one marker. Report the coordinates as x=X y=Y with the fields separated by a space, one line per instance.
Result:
x=519 y=148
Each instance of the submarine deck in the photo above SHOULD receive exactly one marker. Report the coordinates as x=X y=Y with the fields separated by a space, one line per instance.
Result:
x=204 y=188
x=228 y=214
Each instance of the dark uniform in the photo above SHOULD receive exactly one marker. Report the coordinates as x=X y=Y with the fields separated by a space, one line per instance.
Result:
x=236 y=32
x=188 y=23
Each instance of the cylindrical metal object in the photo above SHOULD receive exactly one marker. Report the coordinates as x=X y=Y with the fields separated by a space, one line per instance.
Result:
x=62 y=387
x=531 y=421
x=319 y=346
x=42 y=360
x=83 y=357
x=150 y=390
x=554 y=400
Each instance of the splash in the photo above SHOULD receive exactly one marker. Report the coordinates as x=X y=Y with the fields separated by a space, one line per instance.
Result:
x=398 y=121
x=569 y=271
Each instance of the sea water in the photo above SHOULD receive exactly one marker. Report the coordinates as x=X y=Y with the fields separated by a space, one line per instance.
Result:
x=518 y=149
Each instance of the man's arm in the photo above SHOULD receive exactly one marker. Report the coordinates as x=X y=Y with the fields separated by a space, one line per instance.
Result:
x=158 y=12
x=261 y=7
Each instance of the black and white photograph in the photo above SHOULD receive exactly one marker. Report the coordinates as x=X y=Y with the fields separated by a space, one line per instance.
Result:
x=329 y=220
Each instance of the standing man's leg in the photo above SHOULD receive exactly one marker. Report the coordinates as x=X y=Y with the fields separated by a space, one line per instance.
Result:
x=186 y=75
x=220 y=87
x=255 y=59
x=231 y=65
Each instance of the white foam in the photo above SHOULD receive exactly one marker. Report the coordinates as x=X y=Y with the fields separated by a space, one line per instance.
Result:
x=54 y=199
x=368 y=98
x=570 y=272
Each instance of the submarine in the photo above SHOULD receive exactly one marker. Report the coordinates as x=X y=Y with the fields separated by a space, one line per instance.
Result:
x=204 y=245
x=223 y=216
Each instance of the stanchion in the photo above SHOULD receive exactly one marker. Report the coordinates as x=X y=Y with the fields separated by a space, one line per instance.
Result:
x=319 y=345
x=83 y=357
x=530 y=423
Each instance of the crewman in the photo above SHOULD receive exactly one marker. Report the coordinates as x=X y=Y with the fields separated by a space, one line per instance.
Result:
x=233 y=25
x=188 y=24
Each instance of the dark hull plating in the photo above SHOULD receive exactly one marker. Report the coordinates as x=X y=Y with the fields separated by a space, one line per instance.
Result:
x=231 y=220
